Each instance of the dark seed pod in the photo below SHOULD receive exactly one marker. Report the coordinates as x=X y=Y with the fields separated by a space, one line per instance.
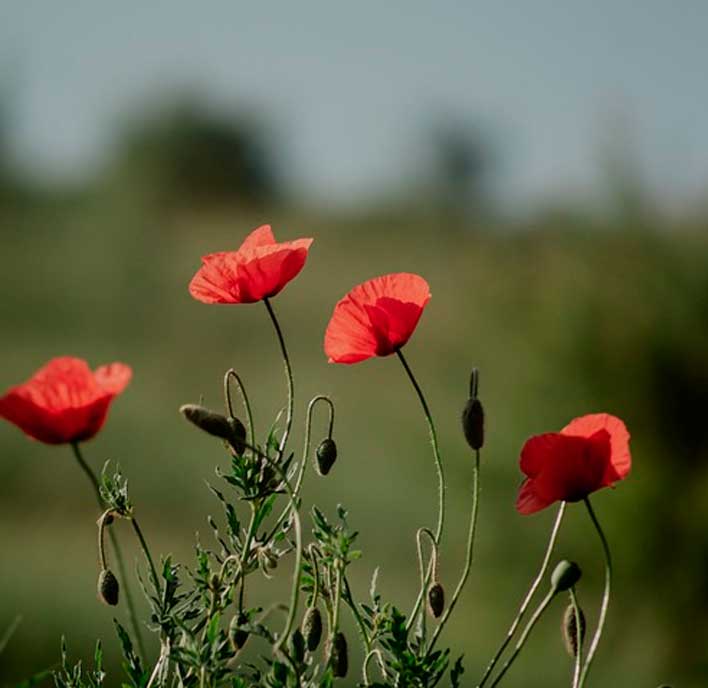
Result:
x=565 y=575
x=297 y=645
x=436 y=600
x=108 y=588
x=237 y=635
x=231 y=430
x=338 y=655
x=312 y=628
x=326 y=455
x=473 y=423
x=237 y=441
x=571 y=637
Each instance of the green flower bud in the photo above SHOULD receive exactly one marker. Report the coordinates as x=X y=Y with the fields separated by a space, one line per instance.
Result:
x=436 y=600
x=571 y=637
x=473 y=423
x=312 y=628
x=326 y=455
x=108 y=588
x=338 y=655
x=297 y=646
x=565 y=575
x=237 y=635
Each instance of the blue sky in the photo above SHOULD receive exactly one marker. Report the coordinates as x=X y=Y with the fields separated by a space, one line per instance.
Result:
x=352 y=86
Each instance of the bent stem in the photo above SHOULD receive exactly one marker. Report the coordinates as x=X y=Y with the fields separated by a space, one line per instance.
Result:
x=470 y=551
x=132 y=615
x=288 y=375
x=579 y=637
x=231 y=373
x=441 y=477
x=524 y=636
x=529 y=595
x=146 y=552
x=605 y=596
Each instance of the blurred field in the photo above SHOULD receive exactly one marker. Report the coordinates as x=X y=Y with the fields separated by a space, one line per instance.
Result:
x=562 y=318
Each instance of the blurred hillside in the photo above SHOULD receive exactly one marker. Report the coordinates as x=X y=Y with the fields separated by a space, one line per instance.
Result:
x=563 y=313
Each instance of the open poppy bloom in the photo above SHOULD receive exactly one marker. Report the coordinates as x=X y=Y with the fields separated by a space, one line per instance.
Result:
x=376 y=318
x=589 y=453
x=259 y=269
x=65 y=401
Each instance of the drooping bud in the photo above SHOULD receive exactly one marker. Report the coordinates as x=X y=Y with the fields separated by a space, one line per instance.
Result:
x=473 y=423
x=565 y=575
x=108 y=588
x=338 y=655
x=237 y=635
x=297 y=645
x=326 y=455
x=573 y=637
x=312 y=628
x=436 y=600
x=230 y=430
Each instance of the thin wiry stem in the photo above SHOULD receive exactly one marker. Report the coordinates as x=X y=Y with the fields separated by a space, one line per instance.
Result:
x=231 y=373
x=132 y=615
x=529 y=595
x=605 y=597
x=579 y=637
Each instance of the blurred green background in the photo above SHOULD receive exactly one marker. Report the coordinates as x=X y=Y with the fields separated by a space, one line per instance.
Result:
x=567 y=305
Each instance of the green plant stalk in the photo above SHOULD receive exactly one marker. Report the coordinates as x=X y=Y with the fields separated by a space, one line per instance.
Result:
x=288 y=375
x=245 y=554
x=605 y=597
x=579 y=652
x=132 y=615
x=524 y=636
x=349 y=599
x=441 y=477
x=529 y=595
x=231 y=373
x=470 y=552
x=146 y=552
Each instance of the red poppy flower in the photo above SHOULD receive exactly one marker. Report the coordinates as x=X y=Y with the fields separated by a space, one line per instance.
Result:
x=64 y=401
x=259 y=269
x=589 y=453
x=376 y=318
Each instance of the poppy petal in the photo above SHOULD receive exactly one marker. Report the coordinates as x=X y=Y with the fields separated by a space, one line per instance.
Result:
x=113 y=377
x=261 y=236
x=528 y=501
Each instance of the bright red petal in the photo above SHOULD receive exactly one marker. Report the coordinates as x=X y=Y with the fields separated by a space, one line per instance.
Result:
x=527 y=501
x=113 y=377
x=262 y=236
x=620 y=461
x=535 y=451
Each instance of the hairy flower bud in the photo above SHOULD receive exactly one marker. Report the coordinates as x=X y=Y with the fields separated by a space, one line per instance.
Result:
x=312 y=628
x=338 y=655
x=572 y=638
x=565 y=575
x=108 y=588
x=297 y=645
x=436 y=600
x=230 y=430
x=326 y=455
x=473 y=423
x=237 y=635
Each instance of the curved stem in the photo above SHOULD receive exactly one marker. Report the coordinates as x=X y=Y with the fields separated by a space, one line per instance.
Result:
x=101 y=531
x=529 y=595
x=432 y=568
x=146 y=552
x=132 y=615
x=470 y=551
x=579 y=635
x=288 y=375
x=365 y=668
x=231 y=373
x=524 y=636
x=441 y=477
x=605 y=597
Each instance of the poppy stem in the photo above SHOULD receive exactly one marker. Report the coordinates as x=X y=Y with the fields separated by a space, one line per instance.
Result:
x=529 y=595
x=470 y=551
x=231 y=373
x=441 y=477
x=288 y=375
x=132 y=616
x=605 y=596
x=579 y=635
x=524 y=636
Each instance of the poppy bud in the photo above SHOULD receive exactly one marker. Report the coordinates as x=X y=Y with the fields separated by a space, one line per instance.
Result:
x=108 y=587
x=237 y=635
x=326 y=455
x=231 y=430
x=338 y=658
x=473 y=423
x=572 y=638
x=436 y=600
x=565 y=575
x=312 y=628
x=297 y=645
